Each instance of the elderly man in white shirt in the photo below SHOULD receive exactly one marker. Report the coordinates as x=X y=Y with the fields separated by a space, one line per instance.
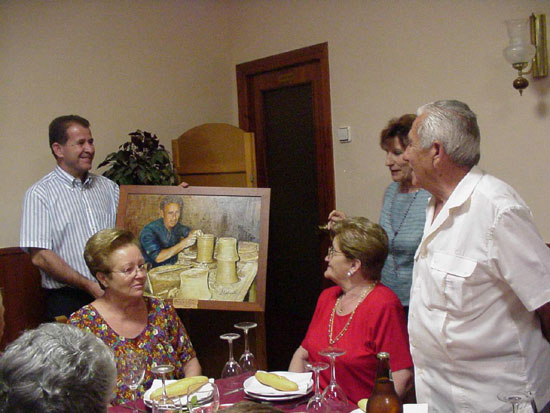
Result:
x=479 y=316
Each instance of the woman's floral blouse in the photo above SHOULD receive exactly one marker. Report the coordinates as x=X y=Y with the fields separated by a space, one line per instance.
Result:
x=163 y=341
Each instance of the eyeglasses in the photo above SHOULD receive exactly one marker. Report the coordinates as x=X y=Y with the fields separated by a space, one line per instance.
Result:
x=131 y=272
x=332 y=252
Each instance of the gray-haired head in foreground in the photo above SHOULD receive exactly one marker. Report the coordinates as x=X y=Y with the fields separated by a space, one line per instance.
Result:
x=454 y=125
x=56 y=368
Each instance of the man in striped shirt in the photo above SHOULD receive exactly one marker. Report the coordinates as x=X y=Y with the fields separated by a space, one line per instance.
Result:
x=62 y=211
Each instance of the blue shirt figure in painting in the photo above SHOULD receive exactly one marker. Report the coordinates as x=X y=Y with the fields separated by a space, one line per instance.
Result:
x=163 y=239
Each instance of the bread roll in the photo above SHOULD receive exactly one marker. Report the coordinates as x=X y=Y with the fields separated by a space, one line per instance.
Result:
x=179 y=388
x=277 y=382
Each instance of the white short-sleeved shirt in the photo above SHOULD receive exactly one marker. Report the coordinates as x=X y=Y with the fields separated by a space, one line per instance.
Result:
x=61 y=213
x=481 y=270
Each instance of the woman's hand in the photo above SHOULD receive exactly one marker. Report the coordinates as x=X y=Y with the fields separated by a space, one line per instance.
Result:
x=335 y=216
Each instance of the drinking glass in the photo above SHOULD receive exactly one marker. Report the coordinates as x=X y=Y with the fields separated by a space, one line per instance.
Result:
x=247 y=360
x=131 y=367
x=334 y=397
x=515 y=398
x=203 y=398
x=163 y=369
x=231 y=368
x=167 y=405
x=315 y=403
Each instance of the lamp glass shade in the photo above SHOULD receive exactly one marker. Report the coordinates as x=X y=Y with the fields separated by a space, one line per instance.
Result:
x=520 y=48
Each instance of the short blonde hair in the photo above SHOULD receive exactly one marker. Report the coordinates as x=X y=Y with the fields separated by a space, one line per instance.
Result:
x=102 y=244
x=362 y=239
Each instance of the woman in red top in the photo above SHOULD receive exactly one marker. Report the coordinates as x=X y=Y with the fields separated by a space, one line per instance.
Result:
x=359 y=315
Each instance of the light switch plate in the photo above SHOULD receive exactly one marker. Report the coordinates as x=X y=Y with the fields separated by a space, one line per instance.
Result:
x=344 y=134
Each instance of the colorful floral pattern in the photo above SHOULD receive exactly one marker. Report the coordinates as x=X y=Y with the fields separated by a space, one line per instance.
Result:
x=163 y=341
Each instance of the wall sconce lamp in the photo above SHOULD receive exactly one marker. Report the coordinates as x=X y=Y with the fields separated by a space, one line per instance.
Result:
x=527 y=44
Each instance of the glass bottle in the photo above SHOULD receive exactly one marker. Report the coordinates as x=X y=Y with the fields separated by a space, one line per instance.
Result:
x=384 y=399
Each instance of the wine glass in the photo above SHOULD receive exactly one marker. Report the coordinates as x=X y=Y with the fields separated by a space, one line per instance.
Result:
x=131 y=367
x=231 y=368
x=515 y=398
x=247 y=360
x=163 y=369
x=203 y=398
x=334 y=397
x=315 y=403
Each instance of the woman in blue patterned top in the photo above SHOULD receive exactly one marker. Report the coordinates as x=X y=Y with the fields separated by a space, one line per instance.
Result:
x=403 y=211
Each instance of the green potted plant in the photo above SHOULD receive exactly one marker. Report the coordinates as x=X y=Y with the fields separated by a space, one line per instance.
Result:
x=140 y=161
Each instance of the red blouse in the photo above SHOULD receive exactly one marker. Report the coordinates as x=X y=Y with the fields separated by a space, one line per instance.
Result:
x=378 y=325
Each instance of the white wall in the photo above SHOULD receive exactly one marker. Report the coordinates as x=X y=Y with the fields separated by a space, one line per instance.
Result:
x=389 y=57
x=166 y=66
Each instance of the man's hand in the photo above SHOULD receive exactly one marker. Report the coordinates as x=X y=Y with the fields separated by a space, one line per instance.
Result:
x=95 y=290
x=59 y=270
x=191 y=238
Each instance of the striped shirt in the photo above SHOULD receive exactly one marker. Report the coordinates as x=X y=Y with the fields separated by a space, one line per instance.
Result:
x=60 y=213
x=402 y=217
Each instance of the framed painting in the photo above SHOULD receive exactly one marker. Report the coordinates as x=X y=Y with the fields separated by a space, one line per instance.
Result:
x=207 y=246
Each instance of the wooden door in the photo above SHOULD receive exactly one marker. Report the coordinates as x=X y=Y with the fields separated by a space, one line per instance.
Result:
x=285 y=101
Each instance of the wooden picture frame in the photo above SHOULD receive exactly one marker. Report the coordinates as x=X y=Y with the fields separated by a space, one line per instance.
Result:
x=241 y=213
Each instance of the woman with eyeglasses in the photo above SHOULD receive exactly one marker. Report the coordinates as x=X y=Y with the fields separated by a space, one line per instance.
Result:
x=359 y=315
x=126 y=320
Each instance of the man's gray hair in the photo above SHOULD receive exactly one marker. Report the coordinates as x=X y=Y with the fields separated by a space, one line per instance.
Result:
x=171 y=199
x=56 y=368
x=454 y=125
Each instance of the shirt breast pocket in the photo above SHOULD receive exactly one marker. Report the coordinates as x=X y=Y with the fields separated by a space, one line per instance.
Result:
x=454 y=272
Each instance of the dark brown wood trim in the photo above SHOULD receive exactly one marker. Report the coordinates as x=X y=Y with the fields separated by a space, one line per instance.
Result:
x=318 y=52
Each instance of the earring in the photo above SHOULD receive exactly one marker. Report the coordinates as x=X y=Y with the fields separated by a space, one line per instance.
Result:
x=349 y=273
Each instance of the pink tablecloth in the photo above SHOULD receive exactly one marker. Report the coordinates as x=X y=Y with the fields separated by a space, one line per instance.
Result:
x=226 y=385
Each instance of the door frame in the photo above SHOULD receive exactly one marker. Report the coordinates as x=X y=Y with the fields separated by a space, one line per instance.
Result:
x=318 y=55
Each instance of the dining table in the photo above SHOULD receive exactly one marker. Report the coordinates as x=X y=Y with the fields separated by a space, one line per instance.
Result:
x=231 y=392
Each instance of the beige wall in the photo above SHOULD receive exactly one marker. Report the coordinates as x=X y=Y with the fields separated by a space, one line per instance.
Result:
x=389 y=57
x=159 y=66
x=166 y=66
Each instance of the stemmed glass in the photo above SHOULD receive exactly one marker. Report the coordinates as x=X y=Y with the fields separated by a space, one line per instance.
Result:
x=203 y=398
x=167 y=405
x=515 y=398
x=315 y=404
x=334 y=397
x=231 y=368
x=163 y=369
x=247 y=360
x=131 y=367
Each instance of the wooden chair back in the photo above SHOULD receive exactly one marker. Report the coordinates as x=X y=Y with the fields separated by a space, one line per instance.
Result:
x=215 y=154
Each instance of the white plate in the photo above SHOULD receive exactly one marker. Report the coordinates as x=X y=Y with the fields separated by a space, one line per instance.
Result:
x=254 y=388
x=274 y=398
x=407 y=408
x=157 y=383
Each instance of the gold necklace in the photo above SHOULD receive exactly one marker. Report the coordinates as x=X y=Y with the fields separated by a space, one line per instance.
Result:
x=331 y=340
